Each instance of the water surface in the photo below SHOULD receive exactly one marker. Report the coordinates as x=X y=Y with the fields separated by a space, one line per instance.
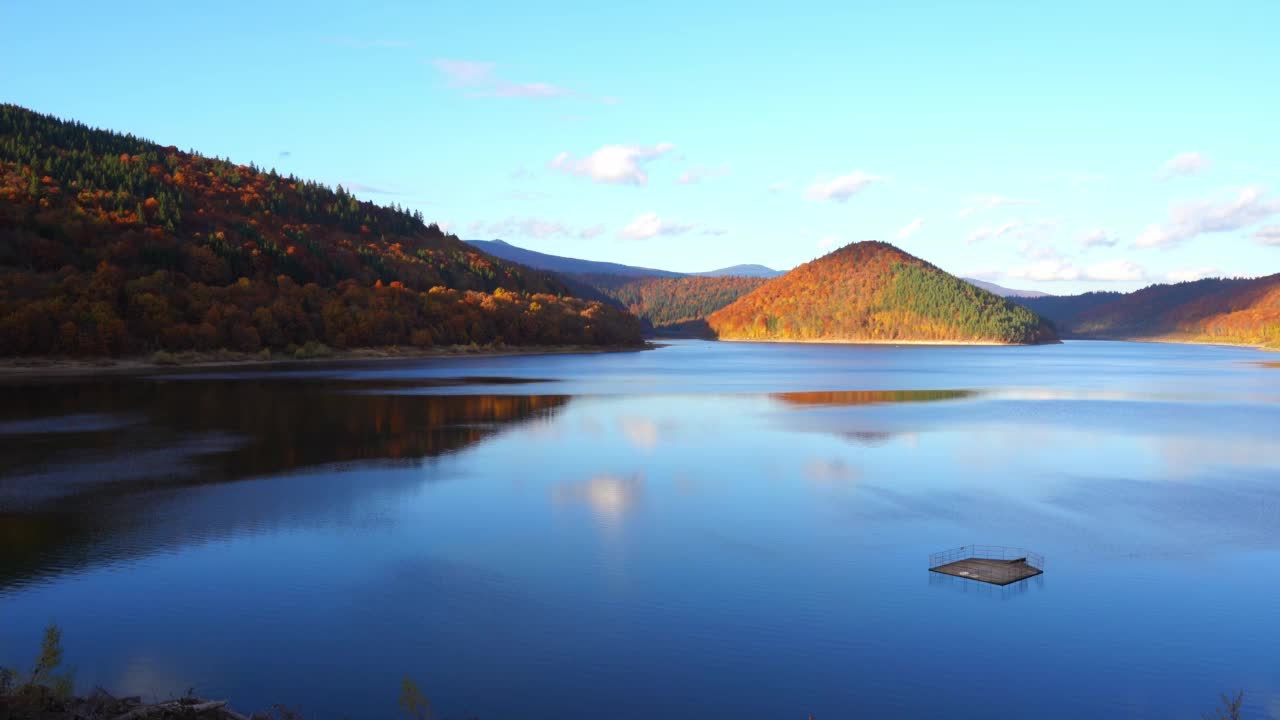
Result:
x=704 y=530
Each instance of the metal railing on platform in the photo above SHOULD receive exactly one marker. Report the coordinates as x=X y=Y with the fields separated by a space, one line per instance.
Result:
x=987 y=552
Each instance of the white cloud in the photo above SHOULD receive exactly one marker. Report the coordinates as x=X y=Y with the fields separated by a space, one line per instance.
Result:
x=1193 y=273
x=481 y=80
x=650 y=225
x=1268 y=235
x=843 y=187
x=444 y=227
x=1185 y=164
x=1035 y=249
x=464 y=73
x=1099 y=238
x=990 y=202
x=828 y=242
x=616 y=164
x=910 y=228
x=1115 y=271
x=698 y=174
x=1046 y=270
x=990 y=232
x=1188 y=220
x=531 y=227
x=1058 y=269
x=716 y=232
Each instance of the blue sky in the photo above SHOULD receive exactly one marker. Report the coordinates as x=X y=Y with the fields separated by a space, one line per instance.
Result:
x=1059 y=146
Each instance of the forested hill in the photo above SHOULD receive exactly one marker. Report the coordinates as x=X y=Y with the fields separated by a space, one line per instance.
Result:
x=1243 y=311
x=110 y=244
x=672 y=306
x=666 y=302
x=872 y=291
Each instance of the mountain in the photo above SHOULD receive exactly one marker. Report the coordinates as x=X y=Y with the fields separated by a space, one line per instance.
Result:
x=559 y=264
x=666 y=302
x=111 y=244
x=1236 y=311
x=1004 y=292
x=872 y=291
x=756 y=271
x=672 y=306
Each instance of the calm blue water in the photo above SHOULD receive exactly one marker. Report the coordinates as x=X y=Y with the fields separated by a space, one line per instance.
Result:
x=705 y=530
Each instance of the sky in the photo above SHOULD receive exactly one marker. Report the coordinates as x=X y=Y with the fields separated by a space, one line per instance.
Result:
x=1057 y=146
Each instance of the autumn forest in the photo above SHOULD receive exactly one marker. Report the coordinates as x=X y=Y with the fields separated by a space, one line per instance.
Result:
x=113 y=245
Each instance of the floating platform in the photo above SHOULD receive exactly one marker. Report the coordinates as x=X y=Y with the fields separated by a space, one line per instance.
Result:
x=994 y=564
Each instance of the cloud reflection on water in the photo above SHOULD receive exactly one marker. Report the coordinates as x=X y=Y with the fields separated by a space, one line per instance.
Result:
x=609 y=497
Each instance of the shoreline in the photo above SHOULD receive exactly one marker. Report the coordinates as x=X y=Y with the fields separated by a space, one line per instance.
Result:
x=40 y=367
x=1176 y=340
x=937 y=343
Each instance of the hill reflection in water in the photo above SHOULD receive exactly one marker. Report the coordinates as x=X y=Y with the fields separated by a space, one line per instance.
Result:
x=97 y=471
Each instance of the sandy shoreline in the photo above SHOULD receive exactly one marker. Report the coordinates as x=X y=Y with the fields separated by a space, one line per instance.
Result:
x=939 y=343
x=21 y=368
x=1174 y=340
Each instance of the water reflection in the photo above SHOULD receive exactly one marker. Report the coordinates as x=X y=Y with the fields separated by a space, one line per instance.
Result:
x=847 y=398
x=830 y=471
x=610 y=497
x=750 y=535
x=962 y=586
x=90 y=469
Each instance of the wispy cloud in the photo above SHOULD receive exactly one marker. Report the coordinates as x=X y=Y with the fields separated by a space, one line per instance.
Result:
x=910 y=228
x=480 y=79
x=777 y=187
x=1116 y=271
x=699 y=173
x=285 y=153
x=1098 y=238
x=1057 y=269
x=532 y=227
x=1184 y=164
x=990 y=202
x=828 y=242
x=1268 y=235
x=614 y=164
x=842 y=187
x=1188 y=220
x=650 y=225
x=991 y=232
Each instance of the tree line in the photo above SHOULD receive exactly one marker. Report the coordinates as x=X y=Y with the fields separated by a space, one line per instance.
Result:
x=111 y=244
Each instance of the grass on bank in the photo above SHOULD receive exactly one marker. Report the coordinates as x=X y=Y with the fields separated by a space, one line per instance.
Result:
x=46 y=693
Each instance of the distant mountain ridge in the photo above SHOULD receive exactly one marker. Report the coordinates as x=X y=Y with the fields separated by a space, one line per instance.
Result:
x=1003 y=291
x=1216 y=310
x=756 y=271
x=561 y=264
x=874 y=292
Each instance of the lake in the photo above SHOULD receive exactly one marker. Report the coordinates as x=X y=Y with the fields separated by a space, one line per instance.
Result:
x=699 y=531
